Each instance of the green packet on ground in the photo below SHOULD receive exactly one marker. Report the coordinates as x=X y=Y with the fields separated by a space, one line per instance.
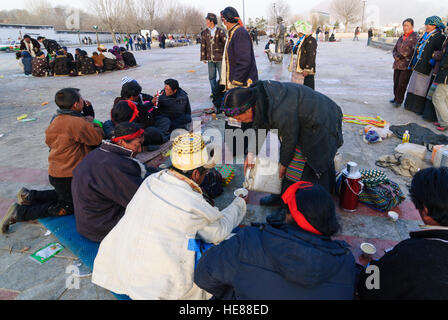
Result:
x=46 y=253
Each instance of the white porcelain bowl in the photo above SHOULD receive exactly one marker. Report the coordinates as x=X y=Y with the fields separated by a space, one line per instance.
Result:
x=368 y=248
x=393 y=215
x=241 y=192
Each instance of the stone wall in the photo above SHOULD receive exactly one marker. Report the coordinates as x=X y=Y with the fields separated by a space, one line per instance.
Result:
x=63 y=37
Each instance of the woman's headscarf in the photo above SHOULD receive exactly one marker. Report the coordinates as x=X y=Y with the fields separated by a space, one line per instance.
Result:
x=435 y=21
x=231 y=15
x=238 y=100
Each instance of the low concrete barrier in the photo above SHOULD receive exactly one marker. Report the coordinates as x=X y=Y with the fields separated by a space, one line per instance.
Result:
x=382 y=45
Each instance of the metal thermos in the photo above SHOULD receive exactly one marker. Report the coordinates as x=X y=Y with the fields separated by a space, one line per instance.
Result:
x=351 y=187
x=444 y=161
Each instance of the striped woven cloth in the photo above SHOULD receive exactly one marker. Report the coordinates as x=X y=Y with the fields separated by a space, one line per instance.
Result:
x=295 y=168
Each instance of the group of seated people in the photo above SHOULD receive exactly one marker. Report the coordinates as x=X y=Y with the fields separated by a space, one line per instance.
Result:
x=63 y=63
x=160 y=238
x=157 y=115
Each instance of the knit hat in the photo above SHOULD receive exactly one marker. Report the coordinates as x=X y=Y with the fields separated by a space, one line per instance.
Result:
x=126 y=80
x=302 y=27
x=189 y=152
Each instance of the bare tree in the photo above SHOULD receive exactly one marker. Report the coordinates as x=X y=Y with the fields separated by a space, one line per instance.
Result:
x=279 y=8
x=151 y=8
x=190 y=20
x=110 y=13
x=349 y=11
x=39 y=8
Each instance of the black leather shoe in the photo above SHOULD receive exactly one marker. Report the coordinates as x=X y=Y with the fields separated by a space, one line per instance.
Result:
x=271 y=200
x=396 y=105
x=392 y=101
x=277 y=218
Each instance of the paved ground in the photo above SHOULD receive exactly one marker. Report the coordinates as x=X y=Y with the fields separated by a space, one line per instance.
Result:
x=358 y=78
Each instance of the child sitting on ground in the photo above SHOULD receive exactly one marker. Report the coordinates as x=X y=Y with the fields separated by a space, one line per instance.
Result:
x=70 y=137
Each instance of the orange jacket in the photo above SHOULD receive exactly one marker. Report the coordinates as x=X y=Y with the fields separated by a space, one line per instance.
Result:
x=70 y=138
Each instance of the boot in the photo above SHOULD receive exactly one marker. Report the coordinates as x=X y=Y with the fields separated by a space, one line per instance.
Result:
x=9 y=219
x=24 y=197
x=277 y=218
x=271 y=200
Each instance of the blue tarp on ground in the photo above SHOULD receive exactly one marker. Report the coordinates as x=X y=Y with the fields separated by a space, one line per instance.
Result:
x=64 y=228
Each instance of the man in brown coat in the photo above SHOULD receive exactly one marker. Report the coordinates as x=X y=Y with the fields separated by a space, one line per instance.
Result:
x=403 y=51
x=70 y=137
x=212 y=48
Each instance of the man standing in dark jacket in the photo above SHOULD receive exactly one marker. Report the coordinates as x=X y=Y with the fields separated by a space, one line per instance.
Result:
x=297 y=261
x=50 y=45
x=29 y=44
x=212 y=48
x=105 y=181
x=416 y=268
x=309 y=125
x=239 y=66
x=440 y=97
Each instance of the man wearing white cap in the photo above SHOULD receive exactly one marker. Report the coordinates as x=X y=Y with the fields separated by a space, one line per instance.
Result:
x=149 y=254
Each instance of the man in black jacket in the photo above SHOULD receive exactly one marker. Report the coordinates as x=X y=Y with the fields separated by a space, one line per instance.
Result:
x=416 y=268
x=128 y=57
x=309 y=125
x=440 y=97
x=297 y=261
x=144 y=115
x=173 y=104
x=50 y=45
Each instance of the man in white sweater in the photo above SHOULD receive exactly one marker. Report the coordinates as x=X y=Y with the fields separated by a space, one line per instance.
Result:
x=147 y=255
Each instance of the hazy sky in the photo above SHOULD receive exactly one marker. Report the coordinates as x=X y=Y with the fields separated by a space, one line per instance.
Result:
x=253 y=8
x=388 y=11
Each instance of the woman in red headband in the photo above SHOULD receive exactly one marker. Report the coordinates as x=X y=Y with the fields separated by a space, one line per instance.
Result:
x=131 y=139
x=296 y=261
x=106 y=180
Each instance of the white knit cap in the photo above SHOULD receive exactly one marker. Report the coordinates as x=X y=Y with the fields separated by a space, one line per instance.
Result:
x=126 y=80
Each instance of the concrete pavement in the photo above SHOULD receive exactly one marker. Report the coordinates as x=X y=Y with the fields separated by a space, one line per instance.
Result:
x=357 y=77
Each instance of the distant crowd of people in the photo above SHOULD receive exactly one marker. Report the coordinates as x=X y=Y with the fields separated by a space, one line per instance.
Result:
x=140 y=42
x=57 y=61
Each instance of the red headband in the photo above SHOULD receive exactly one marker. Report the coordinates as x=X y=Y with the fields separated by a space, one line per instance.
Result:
x=129 y=137
x=133 y=106
x=289 y=197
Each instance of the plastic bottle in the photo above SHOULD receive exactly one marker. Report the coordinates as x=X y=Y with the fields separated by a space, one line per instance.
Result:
x=406 y=137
